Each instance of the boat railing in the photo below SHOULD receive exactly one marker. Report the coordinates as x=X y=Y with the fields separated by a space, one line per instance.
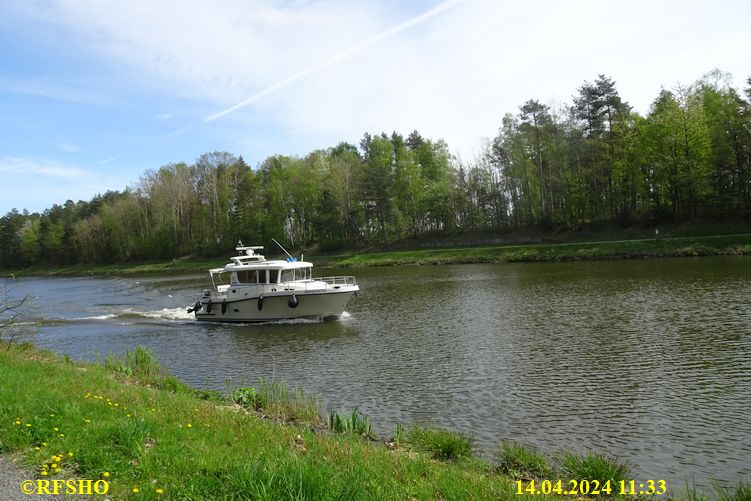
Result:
x=338 y=280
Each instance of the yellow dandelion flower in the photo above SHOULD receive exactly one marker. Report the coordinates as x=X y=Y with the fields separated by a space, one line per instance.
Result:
x=160 y=491
x=106 y=474
x=56 y=429
x=128 y=415
x=189 y=425
x=87 y=420
x=44 y=444
x=44 y=473
x=136 y=490
x=54 y=465
x=62 y=434
x=117 y=405
x=18 y=422
x=37 y=448
x=28 y=425
x=70 y=454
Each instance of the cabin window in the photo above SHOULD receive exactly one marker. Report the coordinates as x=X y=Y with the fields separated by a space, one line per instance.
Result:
x=288 y=275
x=247 y=276
x=273 y=276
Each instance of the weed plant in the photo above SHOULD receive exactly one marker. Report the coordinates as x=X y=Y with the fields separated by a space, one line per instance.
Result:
x=354 y=424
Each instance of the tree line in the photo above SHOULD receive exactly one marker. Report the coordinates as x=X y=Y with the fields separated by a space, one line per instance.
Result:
x=593 y=161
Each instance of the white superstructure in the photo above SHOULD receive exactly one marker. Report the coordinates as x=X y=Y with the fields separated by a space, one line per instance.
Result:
x=252 y=289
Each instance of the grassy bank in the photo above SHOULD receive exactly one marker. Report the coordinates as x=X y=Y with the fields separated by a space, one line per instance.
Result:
x=166 y=441
x=181 y=265
x=152 y=437
x=614 y=249
x=713 y=245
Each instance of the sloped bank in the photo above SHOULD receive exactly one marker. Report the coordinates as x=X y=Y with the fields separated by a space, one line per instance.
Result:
x=153 y=437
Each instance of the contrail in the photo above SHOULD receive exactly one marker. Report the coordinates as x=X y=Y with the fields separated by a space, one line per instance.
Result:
x=337 y=58
x=108 y=160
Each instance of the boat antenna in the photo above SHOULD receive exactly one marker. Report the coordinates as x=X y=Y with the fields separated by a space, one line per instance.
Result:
x=280 y=246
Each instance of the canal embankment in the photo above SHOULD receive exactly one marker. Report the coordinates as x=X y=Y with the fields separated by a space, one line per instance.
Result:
x=640 y=248
x=150 y=436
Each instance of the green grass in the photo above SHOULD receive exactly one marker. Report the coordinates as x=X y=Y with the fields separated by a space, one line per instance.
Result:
x=522 y=461
x=355 y=424
x=142 y=366
x=593 y=466
x=167 y=266
x=145 y=437
x=739 y=492
x=129 y=422
x=273 y=399
x=619 y=249
x=439 y=443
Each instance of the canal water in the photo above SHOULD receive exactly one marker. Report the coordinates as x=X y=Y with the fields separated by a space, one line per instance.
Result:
x=649 y=360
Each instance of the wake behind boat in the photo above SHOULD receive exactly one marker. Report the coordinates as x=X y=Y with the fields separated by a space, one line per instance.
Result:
x=262 y=291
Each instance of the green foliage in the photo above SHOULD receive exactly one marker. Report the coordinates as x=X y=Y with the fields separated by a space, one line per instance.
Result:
x=140 y=363
x=595 y=161
x=354 y=424
x=739 y=492
x=593 y=466
x=439 y=443
x=521 y=461
x=247 y=397
x=274 y=399
x=400 y=433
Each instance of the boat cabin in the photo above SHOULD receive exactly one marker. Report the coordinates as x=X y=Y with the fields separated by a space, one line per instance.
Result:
x=251 y=269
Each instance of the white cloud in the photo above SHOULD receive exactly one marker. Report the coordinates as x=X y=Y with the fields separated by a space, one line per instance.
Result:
x=37 y=183
x=33 y=168
x=452 y=76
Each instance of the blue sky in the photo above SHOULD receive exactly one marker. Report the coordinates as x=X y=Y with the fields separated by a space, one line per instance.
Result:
x=93 y=93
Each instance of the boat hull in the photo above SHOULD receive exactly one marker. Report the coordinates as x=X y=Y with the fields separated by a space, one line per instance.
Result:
x=278 y=306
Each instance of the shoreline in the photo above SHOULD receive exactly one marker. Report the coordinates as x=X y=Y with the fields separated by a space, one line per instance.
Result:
x=154 y=437
x=693 y=246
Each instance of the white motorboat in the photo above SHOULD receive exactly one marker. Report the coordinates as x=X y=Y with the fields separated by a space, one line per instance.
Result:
x=252 y=289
